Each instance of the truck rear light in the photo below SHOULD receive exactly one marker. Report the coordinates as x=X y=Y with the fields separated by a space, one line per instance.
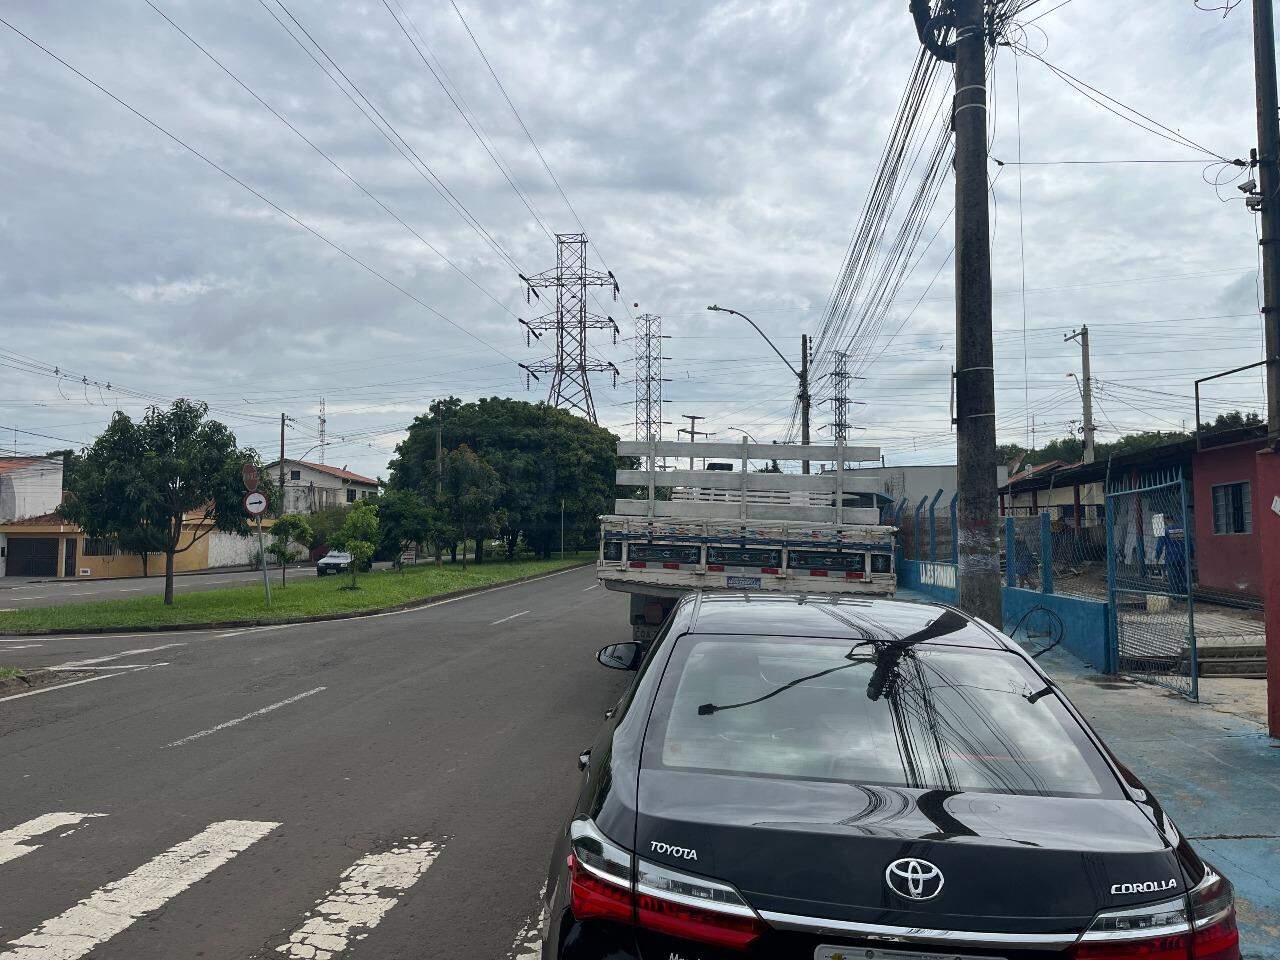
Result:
x=1160 y=931
x=637 y=564
x=773 y=570
x=817 y=573
x=683 y=905
x=599 y=876
x=671 y=566
x=854 y=575
x=716 y=567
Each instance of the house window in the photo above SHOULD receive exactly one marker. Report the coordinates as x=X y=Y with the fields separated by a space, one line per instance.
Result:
x=351 y=495
x=1232 y=508
x=295 y=474
x=100 y=547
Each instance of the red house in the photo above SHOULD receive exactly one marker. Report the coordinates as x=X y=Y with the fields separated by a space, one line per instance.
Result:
x=1229 y=501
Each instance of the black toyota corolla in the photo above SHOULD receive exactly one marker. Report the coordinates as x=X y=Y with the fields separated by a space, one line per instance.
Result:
x=806 y=778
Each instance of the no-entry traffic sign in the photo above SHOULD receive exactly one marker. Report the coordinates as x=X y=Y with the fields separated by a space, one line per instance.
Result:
x=249 y=472
x=255 y=503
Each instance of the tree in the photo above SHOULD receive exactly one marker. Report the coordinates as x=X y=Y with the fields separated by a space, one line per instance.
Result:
x=404 y=518
x=325 y=524
x=359 y=535
x=471 y=493
x=140 y=482
x=541 y=455
x=290 y=527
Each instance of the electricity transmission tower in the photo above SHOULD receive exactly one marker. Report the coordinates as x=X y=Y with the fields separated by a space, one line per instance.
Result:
x=648 y=377
x=572 y=364
x=840 y=395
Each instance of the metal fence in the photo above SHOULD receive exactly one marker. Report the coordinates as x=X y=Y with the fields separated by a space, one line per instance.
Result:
x=926 y=528
x=1149 y=577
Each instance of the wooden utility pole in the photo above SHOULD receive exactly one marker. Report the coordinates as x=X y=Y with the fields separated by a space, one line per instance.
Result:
x=978 y=560
x=804 y=396
x=1086 y=392
x=1268 y=463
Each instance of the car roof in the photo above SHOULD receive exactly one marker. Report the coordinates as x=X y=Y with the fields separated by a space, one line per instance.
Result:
x=824 y=615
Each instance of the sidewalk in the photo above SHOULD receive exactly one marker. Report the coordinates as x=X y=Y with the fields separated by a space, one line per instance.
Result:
x=1216 y=774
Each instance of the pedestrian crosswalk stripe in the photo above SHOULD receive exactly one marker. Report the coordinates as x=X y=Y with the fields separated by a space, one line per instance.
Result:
x=111 y=909
x=13 y=843
x=367 y=890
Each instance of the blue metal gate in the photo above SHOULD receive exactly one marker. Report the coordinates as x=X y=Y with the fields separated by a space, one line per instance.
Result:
x=1149 y=549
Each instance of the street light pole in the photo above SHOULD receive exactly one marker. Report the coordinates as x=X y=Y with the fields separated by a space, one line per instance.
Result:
x=801 y=375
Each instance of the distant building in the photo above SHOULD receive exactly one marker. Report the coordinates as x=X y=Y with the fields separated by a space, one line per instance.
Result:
x=309 y=487
x=1223 y=500
x=919 y=481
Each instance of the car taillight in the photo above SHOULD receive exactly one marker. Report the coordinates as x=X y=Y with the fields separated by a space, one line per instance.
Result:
x=603 y=887
x=683 y=905
x=599 y=876
x=1160 y=931
x=1213 y=916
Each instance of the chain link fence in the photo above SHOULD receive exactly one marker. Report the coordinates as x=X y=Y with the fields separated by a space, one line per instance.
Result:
x=1150 y=551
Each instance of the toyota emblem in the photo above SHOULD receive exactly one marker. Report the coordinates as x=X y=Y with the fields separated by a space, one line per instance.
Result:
x=914 y=879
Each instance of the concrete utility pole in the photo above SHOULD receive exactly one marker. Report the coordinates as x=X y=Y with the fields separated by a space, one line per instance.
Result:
x=805 y=398
x=1087 y=391
x=1268 y=523
x=693 y=431
x=978 y=561
x=282 y=420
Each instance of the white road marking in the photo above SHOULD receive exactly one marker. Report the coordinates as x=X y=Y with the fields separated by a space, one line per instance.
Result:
x=24 y=646
x=247 y=716
x=39 y=596
x=75 y=683
x=112 y=909
x=592 y=587
x=17 y=640
x=274 y=626
x=528 y=942
x=110 y=666
x=368 y=889
x=512 y=617
x=13 y=842
x=115 y=656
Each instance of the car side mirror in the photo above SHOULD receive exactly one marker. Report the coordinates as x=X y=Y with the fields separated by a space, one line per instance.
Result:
x=621 y=656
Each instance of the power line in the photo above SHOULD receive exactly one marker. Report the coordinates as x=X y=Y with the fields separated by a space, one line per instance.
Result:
x=532 y=142
x=271 y=203
x=333 y=163
x=401 y=145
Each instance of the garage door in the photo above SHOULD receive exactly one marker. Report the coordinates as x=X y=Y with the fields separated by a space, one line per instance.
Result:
x=32 y=557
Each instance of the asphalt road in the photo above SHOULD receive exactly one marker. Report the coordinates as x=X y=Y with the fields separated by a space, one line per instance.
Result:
x=20 y=594
x=387 y=787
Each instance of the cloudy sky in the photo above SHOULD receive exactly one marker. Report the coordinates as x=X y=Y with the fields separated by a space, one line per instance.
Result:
x=714 y=152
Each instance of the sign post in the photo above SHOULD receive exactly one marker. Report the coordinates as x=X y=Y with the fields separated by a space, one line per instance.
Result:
x=255 y=504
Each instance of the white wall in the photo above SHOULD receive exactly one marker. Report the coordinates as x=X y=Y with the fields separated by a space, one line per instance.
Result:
x=4 y=551
x=315 y=489
x=231 y=549
x=30 y=491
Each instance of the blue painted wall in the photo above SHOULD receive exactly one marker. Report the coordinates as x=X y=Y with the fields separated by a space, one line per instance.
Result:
x=1087 y=622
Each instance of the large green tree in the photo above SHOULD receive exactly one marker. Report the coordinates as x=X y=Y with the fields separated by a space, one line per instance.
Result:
x=404 y=518
x=541 y=455
x=470 y=495
x=140 y=481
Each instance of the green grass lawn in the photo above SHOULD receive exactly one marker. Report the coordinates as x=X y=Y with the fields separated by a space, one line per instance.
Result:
x=8 y=672
x=304 y=597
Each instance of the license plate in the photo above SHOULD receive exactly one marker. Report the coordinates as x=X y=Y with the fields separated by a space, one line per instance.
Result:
x=747 y=583
x=873 y=953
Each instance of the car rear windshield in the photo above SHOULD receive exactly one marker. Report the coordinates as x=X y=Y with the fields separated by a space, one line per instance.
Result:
x=923 y=716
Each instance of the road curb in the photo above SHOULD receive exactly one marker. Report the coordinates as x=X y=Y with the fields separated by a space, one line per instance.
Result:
x=317 y=618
